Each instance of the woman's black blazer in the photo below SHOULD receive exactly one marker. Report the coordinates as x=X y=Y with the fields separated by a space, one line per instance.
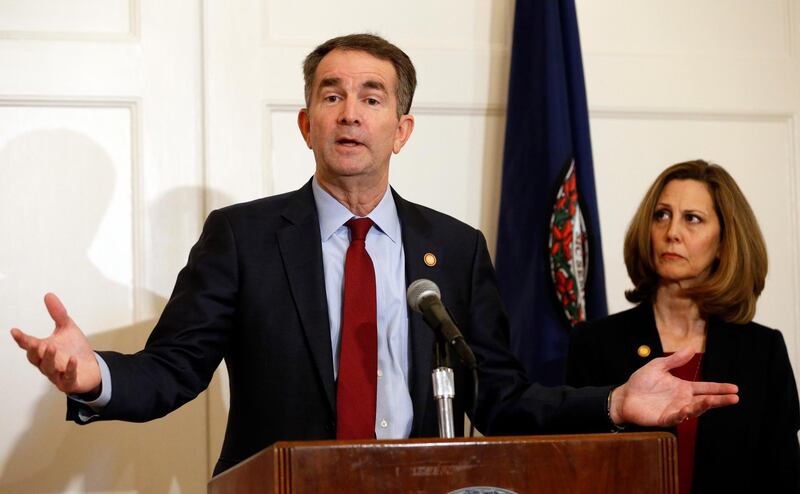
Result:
x=748 y=447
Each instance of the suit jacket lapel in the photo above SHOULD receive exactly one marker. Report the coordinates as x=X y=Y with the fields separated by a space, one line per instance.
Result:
x=302 y=260
x=640 y=332
x=416 y=242
x=650 y=333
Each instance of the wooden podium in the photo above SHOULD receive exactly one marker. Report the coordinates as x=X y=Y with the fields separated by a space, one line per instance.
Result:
x=618 y=463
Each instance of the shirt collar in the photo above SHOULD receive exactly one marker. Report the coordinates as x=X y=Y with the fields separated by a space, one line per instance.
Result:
x=332 y=214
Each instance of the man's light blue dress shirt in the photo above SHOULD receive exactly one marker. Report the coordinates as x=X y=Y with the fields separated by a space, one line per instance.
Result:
x=394 y=411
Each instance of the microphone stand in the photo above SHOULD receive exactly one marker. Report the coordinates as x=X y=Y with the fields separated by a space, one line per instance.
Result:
x=444 y=389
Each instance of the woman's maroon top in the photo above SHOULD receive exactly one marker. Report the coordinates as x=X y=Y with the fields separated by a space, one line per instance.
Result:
x=687 y=430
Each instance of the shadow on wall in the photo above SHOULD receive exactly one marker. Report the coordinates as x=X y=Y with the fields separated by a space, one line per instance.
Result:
x=494 y=132
x=55 y=187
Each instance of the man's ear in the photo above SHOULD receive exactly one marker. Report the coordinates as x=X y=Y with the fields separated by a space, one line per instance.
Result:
x=404 y=129
x=304 y=123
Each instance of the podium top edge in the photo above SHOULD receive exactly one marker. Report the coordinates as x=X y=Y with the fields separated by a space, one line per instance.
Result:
x=430 y=441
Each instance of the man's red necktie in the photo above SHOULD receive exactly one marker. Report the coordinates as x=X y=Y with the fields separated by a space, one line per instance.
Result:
x=358 y=360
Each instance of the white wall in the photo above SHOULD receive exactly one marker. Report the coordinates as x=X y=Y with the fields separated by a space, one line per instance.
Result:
x=123 y=122
x=718 y=80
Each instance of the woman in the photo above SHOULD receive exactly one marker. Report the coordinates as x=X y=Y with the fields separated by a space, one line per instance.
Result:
x=697 y=260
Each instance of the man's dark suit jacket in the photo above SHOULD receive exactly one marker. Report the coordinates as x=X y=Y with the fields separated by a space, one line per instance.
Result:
x=253 y=293
x=748 y=447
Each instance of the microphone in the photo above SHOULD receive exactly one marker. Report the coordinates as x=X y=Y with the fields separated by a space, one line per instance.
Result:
x=425 y=298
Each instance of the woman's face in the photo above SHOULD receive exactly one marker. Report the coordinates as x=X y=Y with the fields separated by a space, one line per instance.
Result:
x=685 y=233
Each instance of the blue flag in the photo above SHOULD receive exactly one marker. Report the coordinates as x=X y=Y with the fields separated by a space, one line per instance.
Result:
x=549 y=260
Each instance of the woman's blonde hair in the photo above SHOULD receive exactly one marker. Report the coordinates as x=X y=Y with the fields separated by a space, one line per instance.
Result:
x=737 y=277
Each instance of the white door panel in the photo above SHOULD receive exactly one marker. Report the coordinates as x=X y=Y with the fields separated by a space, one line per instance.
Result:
x=101 y=195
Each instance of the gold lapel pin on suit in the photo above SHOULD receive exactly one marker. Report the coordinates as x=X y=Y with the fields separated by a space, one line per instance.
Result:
x=643 y=351
x=429 y=259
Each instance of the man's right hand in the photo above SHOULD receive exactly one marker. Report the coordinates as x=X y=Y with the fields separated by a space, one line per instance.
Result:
x=65 y=357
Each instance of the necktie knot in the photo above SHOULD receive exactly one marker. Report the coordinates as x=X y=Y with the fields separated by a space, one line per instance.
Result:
x=359 y=227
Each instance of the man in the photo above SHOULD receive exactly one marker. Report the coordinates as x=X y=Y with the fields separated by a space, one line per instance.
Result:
x=268 y=287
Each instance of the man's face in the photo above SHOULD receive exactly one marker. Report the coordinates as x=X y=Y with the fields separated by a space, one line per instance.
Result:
x=351 y=123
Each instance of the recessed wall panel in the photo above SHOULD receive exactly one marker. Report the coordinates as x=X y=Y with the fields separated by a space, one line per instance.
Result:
x=448 y=161
x=66 y=218
x=685 y=27
x=67 y=178
x=53 y=18
x=441 y=24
